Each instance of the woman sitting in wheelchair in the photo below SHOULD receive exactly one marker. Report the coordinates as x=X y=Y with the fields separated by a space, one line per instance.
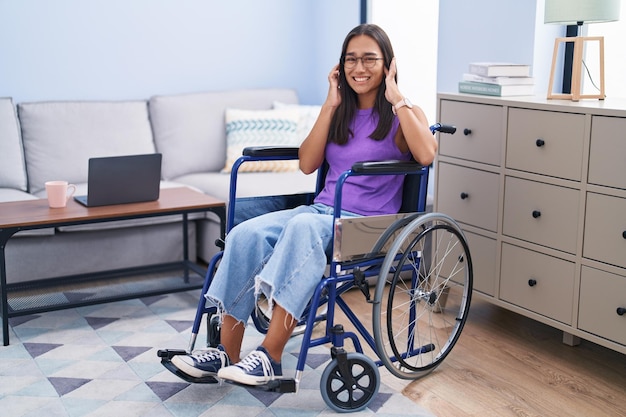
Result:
x=283 y=254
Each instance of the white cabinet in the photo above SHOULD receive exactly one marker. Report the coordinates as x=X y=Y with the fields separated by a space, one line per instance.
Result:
x=479 y=131
x=537 y=282
x=471 y=195
x=539 y=187
x=608 y=147
x=605 y=229
x=545 y=142
x=541 y=213
x=602 y=318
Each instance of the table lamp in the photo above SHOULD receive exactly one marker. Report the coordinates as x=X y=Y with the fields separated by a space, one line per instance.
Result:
x=578 y=12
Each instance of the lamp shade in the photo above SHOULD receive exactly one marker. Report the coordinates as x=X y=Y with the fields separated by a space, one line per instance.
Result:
x=570 y=12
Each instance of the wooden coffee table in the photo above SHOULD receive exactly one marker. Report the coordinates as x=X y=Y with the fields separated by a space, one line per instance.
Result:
x=35 y=214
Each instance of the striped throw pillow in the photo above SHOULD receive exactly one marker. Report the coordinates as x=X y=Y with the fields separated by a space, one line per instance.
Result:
x=246 y=128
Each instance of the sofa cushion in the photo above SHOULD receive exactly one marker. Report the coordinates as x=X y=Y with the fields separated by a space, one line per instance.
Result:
x=251 y=184
x=246 y=128
x=190 y=130
x=12 y=194
x=12 y=170
x=60 y=137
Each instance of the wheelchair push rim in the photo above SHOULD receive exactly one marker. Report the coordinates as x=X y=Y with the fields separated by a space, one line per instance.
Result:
x=423 y=296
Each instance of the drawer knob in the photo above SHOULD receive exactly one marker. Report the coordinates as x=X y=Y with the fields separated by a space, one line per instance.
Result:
x=532 y=282
x=467 y=131
x=466 y=195
x=540 y=143
x=621 y=311
x=624 y=234
x=536 y=214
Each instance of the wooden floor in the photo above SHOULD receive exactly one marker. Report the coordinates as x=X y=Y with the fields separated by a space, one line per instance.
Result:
x=508 y=365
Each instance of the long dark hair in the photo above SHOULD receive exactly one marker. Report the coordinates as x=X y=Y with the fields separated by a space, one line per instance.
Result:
x=340 y=125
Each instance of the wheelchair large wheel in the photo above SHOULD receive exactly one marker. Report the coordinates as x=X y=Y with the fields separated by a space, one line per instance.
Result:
x=422 y=297
x=352 y=391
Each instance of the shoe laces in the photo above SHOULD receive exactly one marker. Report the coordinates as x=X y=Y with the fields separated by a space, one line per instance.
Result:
x=209 y=355
x=256 y=358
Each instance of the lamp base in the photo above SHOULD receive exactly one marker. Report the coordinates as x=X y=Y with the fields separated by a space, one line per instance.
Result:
x=577 y=62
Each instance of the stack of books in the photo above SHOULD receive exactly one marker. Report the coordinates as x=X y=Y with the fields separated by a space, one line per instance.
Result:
x=497 y=79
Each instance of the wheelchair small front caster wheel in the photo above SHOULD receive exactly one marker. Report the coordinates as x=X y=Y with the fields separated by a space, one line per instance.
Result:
x=352 y=392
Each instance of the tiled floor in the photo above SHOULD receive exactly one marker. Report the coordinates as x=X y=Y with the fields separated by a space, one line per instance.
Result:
x=101 y=361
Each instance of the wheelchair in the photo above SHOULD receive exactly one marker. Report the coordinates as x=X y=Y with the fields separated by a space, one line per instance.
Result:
x=414 y=268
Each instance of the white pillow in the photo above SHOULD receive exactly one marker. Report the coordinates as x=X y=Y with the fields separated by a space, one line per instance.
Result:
x=246 y=128
x=308 y=116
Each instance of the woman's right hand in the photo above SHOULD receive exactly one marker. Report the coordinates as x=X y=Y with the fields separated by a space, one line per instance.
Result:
x=311 y=152
x=334 y=95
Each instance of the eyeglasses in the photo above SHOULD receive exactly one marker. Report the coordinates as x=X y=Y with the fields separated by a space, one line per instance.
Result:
x=367 y=61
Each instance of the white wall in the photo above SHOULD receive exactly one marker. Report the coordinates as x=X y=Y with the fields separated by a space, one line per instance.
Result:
x=543 y=49
x=412 y=28
x=614 y=66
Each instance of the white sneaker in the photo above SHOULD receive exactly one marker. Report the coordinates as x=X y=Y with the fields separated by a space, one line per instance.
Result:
x=257 y=368
x=202 y=363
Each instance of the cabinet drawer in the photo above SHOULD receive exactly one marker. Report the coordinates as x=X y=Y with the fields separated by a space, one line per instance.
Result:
x=608 y=147
x=545 y=142
x=483 y=252
x=468 y=195
x=541 y=213
x=605 y=229
x=478 y=131
x=537 y=282
x=601 y=294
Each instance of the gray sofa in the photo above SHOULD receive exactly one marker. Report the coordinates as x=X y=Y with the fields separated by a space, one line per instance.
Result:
x=43 y=141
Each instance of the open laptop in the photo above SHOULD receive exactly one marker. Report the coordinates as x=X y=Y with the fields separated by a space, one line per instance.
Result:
x=122 y=179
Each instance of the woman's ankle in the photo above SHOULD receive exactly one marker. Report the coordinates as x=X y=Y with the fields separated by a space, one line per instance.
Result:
x=275 y=355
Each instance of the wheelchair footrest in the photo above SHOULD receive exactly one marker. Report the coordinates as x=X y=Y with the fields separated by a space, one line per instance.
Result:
x=166 y=356
x=170 y=353
x=282 y=386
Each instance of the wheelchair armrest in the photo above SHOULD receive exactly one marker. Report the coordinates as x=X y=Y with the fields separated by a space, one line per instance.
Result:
x=271 y=151
x=395 y=167
x=438 y=127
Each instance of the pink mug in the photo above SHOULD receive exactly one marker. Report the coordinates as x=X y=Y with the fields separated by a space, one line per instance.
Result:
x=59 y=192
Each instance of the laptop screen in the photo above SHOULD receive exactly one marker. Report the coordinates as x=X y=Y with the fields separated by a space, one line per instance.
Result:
x=123 y=179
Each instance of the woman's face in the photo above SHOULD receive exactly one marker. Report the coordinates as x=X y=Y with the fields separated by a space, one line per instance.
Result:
x=364 y=81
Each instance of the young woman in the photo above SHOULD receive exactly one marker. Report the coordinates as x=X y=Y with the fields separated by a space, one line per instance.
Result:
x=283 y=254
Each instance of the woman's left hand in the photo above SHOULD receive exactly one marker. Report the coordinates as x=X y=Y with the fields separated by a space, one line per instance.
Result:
x=392 y=92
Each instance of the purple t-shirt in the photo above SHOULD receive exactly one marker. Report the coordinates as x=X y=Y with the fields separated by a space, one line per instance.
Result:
x=367 y=195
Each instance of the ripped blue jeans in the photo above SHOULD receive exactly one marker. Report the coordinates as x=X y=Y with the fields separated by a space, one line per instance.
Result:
x=280 y=254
